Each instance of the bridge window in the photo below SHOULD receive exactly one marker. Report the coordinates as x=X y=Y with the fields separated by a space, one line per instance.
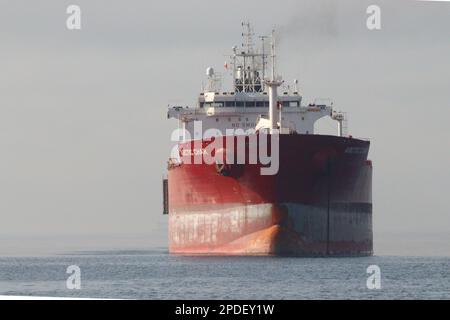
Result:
x=260 y=104
x=229 y=104
x=217 y=104
x=250 y=104
x=239 y=103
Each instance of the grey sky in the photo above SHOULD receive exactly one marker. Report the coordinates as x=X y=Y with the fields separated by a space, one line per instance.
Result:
x=83 y=128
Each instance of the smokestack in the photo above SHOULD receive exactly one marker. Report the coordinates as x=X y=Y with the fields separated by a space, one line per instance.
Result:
x=273 y=100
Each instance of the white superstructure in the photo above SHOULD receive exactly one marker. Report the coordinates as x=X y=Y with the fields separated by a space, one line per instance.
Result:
x=249 y=104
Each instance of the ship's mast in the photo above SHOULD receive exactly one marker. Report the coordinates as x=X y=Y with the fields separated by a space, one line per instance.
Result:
x=264 y=62
x=272 y=54
x=248 y=64
x=273 y=85
x=248 y=35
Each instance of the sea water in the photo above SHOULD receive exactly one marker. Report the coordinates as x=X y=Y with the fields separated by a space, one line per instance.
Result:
x=156 y=274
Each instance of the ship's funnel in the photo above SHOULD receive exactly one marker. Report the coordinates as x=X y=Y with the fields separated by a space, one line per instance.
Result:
x=273 y=102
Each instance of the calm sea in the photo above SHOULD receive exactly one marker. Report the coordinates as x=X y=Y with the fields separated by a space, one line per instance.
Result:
x=157 y=275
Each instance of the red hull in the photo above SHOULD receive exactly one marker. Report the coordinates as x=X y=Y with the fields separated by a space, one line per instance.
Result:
x=319 y=202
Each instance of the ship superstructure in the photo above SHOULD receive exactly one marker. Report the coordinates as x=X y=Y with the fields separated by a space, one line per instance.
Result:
x=248 y=102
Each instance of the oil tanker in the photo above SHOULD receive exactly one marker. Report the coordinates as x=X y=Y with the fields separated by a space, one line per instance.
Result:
x=250 y=176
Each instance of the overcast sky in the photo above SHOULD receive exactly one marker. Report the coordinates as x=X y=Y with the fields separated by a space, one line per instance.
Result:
x=83 y=131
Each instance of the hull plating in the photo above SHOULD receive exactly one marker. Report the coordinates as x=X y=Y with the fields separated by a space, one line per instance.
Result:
x=309 y=208
x=282 y=229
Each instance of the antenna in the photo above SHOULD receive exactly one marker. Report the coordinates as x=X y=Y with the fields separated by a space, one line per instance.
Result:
x=272 y=45
x=264 y=62
x=248 y=35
